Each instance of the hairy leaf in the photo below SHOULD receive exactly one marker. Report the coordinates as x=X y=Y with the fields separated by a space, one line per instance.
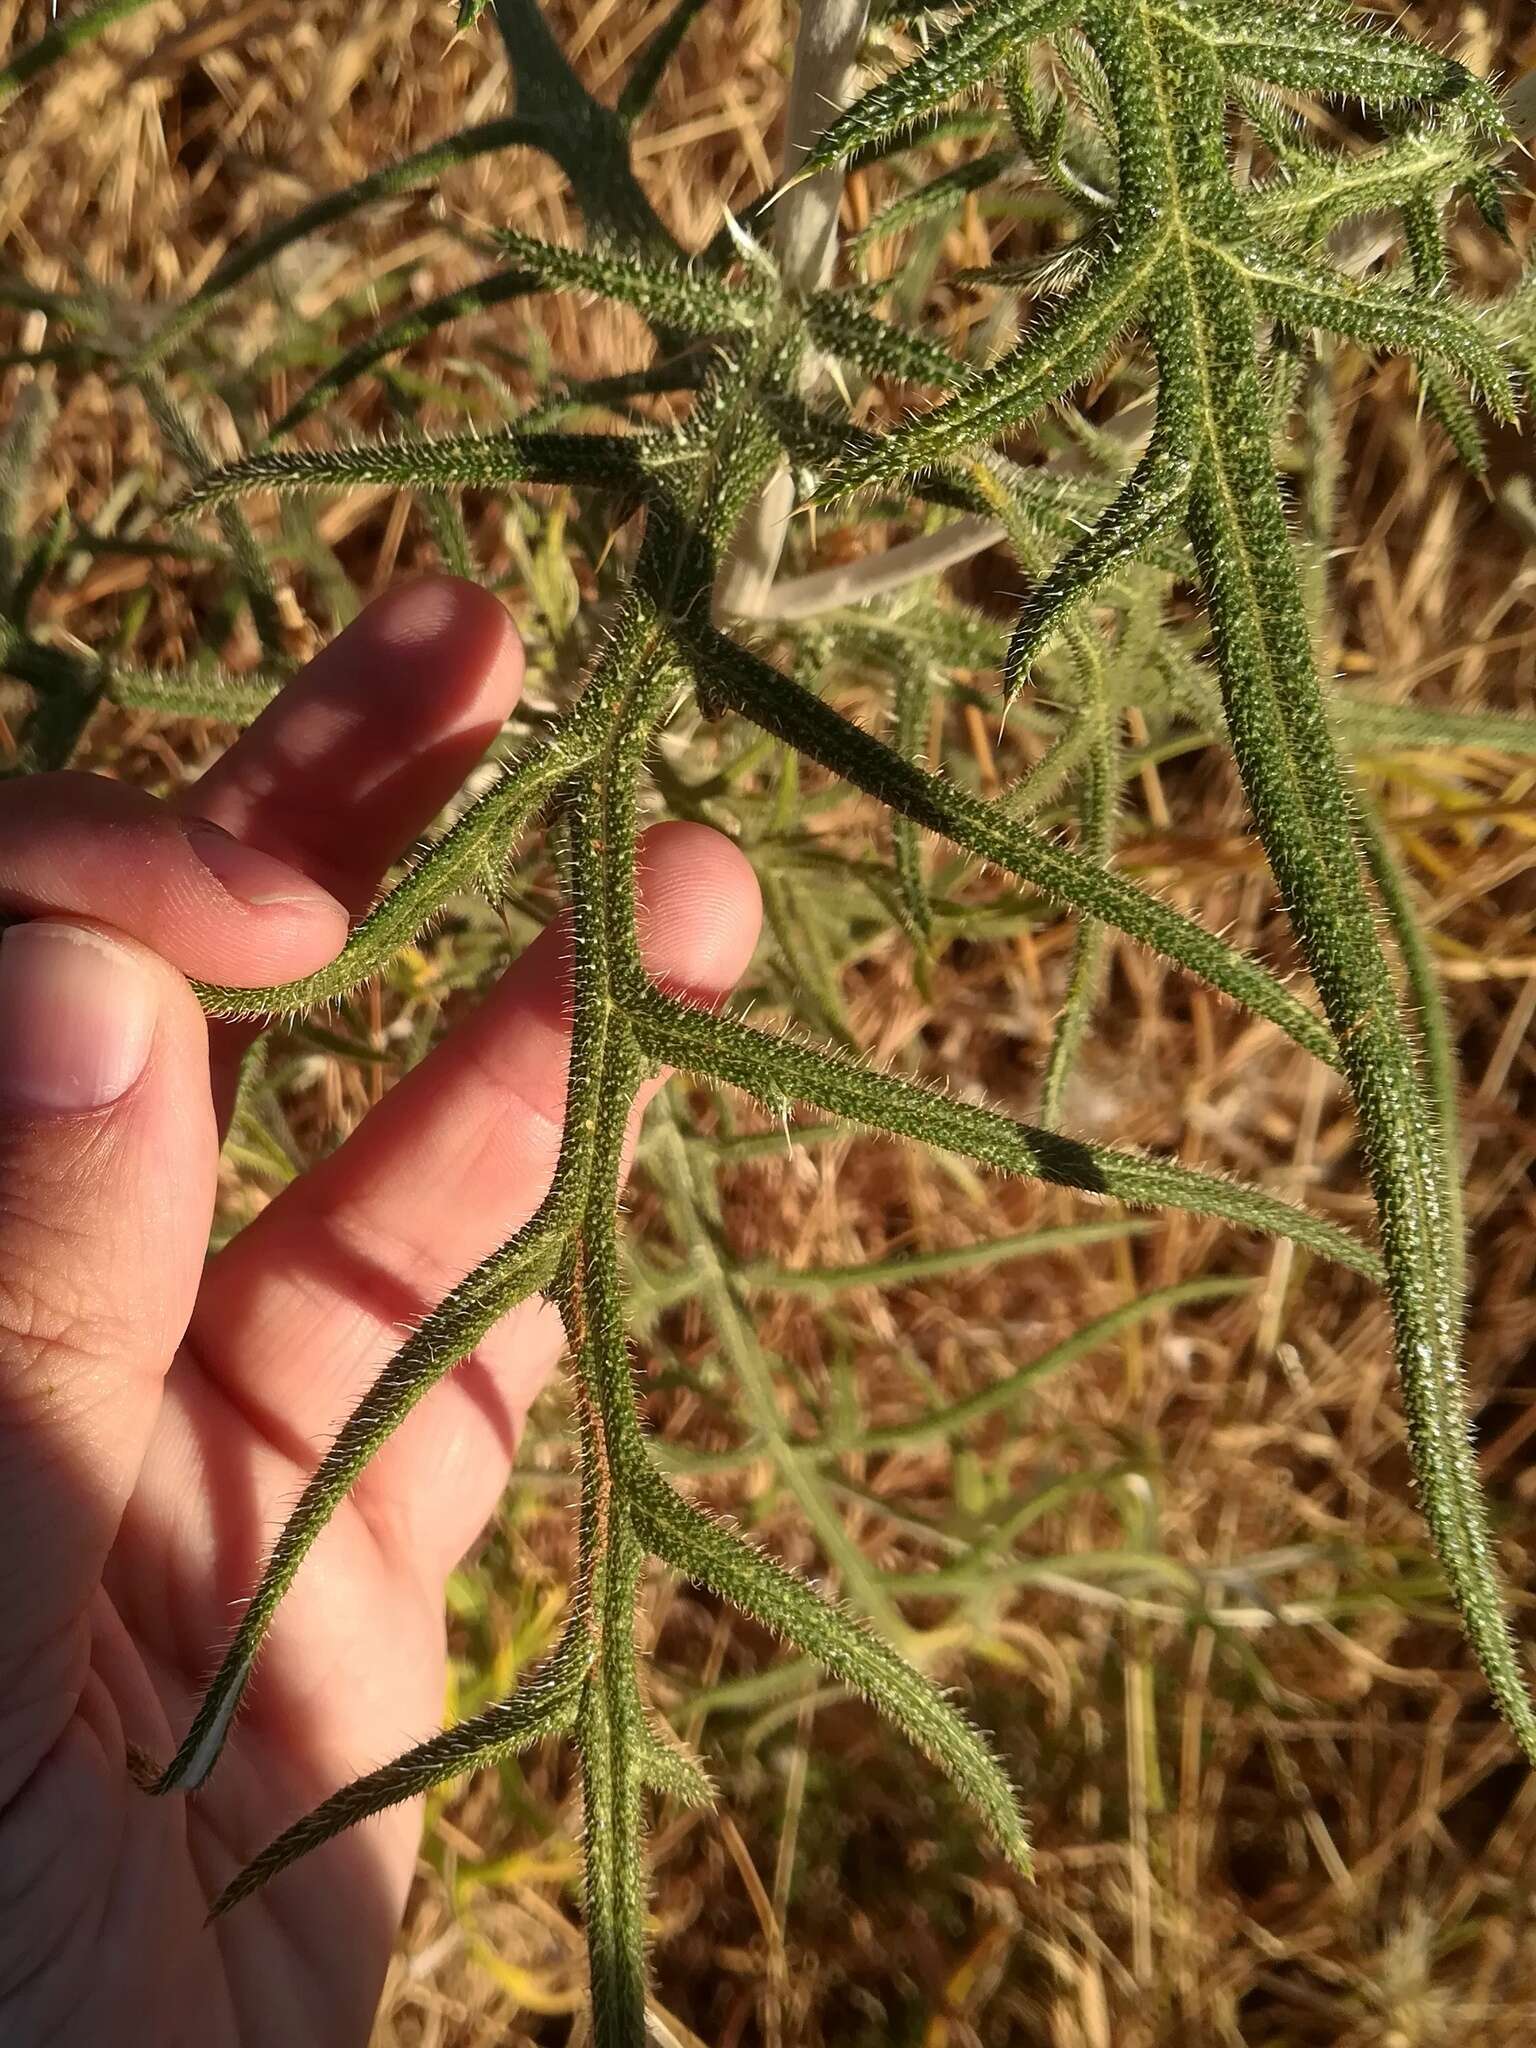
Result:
x=969 y=54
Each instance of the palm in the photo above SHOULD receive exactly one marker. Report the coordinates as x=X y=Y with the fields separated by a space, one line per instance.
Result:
x=352 y=1672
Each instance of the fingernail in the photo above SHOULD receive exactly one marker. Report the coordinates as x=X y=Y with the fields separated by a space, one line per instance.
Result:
x=77 y=1015
x=246 y=873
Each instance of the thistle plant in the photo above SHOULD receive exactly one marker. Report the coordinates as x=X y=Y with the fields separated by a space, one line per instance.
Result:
x=1200 y=274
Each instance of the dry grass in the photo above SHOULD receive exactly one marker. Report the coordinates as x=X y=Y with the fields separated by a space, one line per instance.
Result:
x=1273 y=1806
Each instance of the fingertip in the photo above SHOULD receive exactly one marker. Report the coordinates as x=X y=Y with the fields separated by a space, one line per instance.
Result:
x=700 y=908
x=353 y=759
x=259 y=881
x=84 y=847
x=235 y=914
x=444 y=633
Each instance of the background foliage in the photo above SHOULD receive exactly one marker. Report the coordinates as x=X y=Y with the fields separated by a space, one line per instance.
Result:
x=1176 y=1563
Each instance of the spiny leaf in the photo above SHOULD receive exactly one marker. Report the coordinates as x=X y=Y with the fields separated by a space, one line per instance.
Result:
x=778 y=1072
x=545 y=1706
x=1281 y=740
x=494 y=290
x=1185 y=256
x=1315 y=191
x=1514 y=320
x=1437 y=1035
x=1066 y=344
x=520 y=1267
x=1099 y=782
x=842 y=327
x=458 y=461
x=456 y=861
x=204 y=691
x=1149 y=505
x=1082 y=64
x=1430 y=260
x=969 y=54
x=586 y=138
x=750 y=1580
x=1486 y=186
x=1043 y=136
x=799 y=718
x=914 y=699
x=934 y=200
x=207 y=692
x=670 y=1770
x=1377 y=316
x=677 y=295
x=1321 y=46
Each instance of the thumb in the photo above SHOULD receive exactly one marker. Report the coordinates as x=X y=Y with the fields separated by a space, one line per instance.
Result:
x=107 y=1163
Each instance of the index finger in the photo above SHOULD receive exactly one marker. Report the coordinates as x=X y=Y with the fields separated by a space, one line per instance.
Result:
x=350 y=764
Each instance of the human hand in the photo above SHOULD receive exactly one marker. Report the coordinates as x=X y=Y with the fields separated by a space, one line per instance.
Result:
x=157 y=1414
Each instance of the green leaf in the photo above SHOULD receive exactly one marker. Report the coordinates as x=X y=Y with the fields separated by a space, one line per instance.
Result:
x=456 y=861
x=1169 y=113
x=1377 y=316
x=509 y=1275
x=796 y=716
x=934 y=200
x=545 y=1706
x=451 y=461
x=495 y=290
x=752 y=1581
x=1100 y=789
x=680 y=296
x=842 y=327
x=779 y=1071
x=22 y=437
x=250 y=562
x=914 y=700
x=969 y=54
x=205 y=692
x=422 y=168
x=942 y=1425
x=1146 y=509
x=670 y=1770
x=79 y=26
x=1373 y=726
x=650 y=66
x=1316 y=46
x=1065 y=345
x=1315 y=191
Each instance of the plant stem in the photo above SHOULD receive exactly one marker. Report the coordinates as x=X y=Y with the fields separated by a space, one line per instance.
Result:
x=805 y=220
x=804 y=238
